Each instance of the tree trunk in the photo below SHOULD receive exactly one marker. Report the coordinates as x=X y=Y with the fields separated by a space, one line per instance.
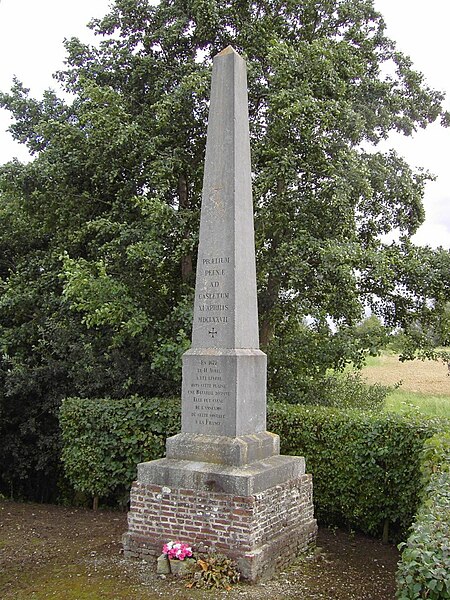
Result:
x=269 y=301
x=270 y=298
x=266 y=333
x=183 y=199
x=386 y=531
x=186 y=268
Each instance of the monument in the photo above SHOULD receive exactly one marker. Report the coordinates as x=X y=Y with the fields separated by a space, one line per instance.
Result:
x=223 y=484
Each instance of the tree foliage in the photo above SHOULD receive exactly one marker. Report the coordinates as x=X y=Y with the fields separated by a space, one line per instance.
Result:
x=97 y=248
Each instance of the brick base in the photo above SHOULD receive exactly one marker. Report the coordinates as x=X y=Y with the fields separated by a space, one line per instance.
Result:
x=263 y=532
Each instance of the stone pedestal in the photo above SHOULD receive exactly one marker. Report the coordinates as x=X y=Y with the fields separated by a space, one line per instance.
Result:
x=263 y=532
x=237 y=496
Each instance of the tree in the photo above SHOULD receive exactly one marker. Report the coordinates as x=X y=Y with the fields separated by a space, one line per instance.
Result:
x=101 y=227
x=373 y=335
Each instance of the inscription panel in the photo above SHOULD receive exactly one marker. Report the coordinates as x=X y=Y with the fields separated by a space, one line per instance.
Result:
x=214 y=302
x=209 y=401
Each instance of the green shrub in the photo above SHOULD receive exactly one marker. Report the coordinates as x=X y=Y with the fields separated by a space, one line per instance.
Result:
x=365 y=466
x=104 y=440
x=347 y=390
x=435 y=456
x=424 y=569
x=339 y=390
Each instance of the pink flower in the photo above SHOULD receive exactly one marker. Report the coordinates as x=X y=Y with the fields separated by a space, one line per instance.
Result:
x=177 y=550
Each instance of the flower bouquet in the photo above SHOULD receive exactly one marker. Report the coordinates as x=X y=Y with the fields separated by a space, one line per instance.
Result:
x=177 y=550
x=176 y=558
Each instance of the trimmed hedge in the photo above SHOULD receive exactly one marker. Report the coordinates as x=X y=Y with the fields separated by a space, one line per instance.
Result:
x=424 y=569
x=104 y=440
x=366 y=466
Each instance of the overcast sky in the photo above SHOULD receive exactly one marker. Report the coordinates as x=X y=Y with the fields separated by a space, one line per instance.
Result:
x=31 y=35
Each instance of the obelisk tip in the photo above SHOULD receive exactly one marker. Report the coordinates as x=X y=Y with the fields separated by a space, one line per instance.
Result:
x=227 y=50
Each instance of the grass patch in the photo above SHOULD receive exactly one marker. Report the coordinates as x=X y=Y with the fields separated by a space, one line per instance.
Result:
x=72 y=582
x=403 y=401
x=386 y=357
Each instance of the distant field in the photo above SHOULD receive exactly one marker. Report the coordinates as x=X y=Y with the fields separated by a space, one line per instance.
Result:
x=425 y=385
x=423 y=376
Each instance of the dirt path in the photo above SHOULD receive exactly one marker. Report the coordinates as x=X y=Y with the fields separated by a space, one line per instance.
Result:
x=74 y=554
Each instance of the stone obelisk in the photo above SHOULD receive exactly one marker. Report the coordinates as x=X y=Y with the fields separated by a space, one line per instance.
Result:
x=223 y=484
x=224 y=374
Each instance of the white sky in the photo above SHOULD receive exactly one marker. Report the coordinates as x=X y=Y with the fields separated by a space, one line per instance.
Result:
x=421 y=31
x=31 y=35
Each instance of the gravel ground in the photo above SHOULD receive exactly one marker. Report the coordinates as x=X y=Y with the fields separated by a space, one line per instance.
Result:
x=50 y=551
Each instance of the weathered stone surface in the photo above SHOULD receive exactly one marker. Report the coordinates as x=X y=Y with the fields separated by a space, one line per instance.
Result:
x=225 y=311
x=246 y=480
x=163 y=565
x=181 y=567
x=224 y=374
x=224 y=392
x=219 y=449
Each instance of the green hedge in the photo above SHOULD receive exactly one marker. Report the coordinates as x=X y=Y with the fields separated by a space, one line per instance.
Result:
x=104 y=440
x=424 y=569
x=366 y=466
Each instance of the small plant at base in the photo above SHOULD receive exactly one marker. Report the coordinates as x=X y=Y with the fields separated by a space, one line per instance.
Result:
x=214 y=571
x=177 y=550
